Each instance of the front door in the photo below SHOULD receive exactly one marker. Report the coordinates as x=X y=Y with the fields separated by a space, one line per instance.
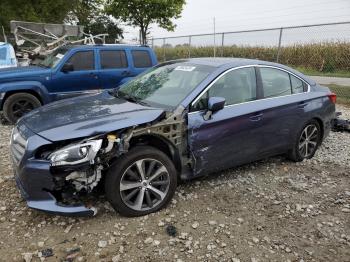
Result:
x=83 y=79
x=231 y=136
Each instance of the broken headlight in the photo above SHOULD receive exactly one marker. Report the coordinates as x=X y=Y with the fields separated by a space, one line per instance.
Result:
x=76 y=154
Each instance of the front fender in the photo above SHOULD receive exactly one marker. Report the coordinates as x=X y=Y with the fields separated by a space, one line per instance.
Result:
x=22 y=86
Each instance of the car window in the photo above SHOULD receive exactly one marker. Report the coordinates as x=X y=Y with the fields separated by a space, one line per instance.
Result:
x=236 y=86
x=275 y=82
x=82 y=60
x=113 y=59
x=298 y=86
x=141 y=58
x=3 y=53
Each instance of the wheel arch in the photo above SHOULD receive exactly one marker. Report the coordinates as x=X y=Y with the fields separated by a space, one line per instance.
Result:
x=320 y=122
x=161 y=143
x=28 y=91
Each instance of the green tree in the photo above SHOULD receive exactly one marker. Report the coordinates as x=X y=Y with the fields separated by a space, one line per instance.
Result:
x=90 y=14
x=143 y=13
x=45 y=11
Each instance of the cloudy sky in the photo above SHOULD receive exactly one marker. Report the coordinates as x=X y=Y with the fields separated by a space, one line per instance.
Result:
x=232 y=15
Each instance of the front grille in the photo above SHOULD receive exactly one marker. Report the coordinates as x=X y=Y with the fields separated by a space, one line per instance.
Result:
x=18 y=145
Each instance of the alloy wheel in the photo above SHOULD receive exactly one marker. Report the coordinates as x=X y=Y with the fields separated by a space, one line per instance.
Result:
x=144 y=184
x=308 y=141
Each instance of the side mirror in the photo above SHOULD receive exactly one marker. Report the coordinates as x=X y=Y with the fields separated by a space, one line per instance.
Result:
x=67 y=67
x=214 y=104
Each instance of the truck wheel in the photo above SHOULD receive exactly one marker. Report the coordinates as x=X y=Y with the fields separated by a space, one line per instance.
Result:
x=19 y=104
x=141 y=182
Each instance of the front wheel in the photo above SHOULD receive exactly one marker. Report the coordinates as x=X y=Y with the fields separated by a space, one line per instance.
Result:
x=309 y=138
x=19 y=104
x=142 y=181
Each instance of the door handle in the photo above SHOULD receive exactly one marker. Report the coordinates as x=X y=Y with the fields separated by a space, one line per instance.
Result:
x=125 y=73
x=256 y=117
x=302 y=104
x=94 y=75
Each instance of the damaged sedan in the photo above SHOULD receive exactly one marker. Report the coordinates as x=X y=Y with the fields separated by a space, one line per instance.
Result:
x=177 y=121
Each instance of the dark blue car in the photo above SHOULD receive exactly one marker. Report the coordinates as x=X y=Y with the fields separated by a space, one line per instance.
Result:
x=177 y=121
x=70 y=71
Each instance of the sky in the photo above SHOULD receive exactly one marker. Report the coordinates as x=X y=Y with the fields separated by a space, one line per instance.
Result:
x=232 y=15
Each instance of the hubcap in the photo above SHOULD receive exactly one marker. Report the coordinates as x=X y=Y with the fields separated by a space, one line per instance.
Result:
x=22 y=107
x=308 y=141
x=144 y=184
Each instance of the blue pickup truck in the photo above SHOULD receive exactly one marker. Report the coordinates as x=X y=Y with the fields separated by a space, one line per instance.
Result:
x=70 y=71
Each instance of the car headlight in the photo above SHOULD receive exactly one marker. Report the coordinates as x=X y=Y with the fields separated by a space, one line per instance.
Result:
x=76 y=154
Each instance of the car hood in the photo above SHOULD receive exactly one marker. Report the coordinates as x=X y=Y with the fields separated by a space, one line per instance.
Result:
x=21 y=72
x=87 y=116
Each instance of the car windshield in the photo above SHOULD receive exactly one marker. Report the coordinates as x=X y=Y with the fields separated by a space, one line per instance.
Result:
x=165 y=86
x=54 y=58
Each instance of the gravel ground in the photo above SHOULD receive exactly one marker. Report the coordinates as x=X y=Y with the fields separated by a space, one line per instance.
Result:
x=272 y=210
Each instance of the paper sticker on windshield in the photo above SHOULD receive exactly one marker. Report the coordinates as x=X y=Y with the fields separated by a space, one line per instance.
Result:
x=59 y=56
x=185 y=68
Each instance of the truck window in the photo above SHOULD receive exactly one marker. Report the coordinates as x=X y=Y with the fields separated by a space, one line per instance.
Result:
x=113 y=59
x=141 y=58
x=82 y=60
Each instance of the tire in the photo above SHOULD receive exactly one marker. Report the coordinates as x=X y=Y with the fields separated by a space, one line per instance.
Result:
x=124 y=173
x=297 y=153
x=19 y=104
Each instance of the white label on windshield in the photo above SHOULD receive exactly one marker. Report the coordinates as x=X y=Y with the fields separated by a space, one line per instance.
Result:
x=185 y=68
x=59 y=56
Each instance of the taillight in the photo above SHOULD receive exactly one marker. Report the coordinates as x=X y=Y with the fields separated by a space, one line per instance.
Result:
x=332 y=97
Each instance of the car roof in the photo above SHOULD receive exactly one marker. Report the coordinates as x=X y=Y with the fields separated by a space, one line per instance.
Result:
x=106 y=46
x=228 y=62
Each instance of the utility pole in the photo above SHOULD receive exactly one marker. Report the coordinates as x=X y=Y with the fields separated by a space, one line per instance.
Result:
x=214 y=39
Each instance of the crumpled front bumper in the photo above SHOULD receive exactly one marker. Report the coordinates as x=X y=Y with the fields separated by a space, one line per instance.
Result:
x=35 y=181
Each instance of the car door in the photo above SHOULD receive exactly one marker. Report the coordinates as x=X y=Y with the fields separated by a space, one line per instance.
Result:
x=282 y=106
x=114 y=67
x=232 y=135
x=82 y=79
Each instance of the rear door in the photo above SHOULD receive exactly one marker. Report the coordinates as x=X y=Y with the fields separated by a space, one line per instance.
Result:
x=83 y=79
x=232 y=135
x=113 y=67
x=282 y=105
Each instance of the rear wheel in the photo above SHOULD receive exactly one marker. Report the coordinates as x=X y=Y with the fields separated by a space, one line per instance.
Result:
x=17 y=105
x=141 y=182
x=309 y=138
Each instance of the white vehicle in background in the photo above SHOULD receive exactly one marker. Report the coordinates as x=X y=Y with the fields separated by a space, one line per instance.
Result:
x=7 y=55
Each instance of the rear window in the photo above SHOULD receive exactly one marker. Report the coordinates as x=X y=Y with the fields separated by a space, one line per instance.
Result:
x=113 y=59
x=141 y=58
x=275 y=82
x=298 y=86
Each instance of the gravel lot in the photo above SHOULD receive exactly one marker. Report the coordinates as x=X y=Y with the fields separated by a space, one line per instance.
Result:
x=272 y=210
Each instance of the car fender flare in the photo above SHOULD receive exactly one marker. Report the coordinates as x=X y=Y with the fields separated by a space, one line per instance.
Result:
x=25 y=86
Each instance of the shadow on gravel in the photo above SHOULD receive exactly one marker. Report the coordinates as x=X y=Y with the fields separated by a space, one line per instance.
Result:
x=3 y=121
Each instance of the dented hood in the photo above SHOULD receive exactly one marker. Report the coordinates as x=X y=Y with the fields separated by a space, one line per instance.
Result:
x=87 y=116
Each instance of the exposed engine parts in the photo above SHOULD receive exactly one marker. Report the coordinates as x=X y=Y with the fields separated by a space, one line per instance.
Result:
x=87 y=180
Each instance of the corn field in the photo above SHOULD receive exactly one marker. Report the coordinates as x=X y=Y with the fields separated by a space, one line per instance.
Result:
x=324 y=57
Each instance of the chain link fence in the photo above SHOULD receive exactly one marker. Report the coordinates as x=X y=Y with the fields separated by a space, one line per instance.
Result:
x=319 y=50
